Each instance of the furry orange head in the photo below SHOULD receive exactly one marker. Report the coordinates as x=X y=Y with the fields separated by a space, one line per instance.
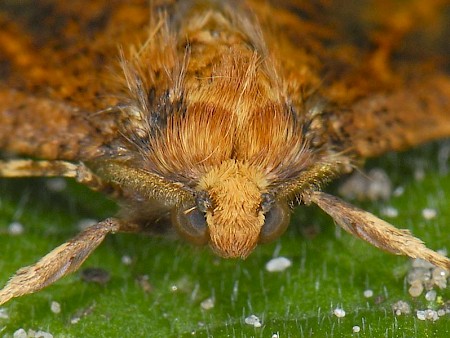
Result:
x=232 y=212
x=235 y=218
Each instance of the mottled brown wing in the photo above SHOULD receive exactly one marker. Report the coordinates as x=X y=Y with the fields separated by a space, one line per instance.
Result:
x=390 y=82
x=58 y=61
x=406 y=77
x=382 y=68
x=395 y=120
x=67 y=50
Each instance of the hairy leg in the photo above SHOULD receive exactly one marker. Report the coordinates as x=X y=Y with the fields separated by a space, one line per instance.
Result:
x=62 y=260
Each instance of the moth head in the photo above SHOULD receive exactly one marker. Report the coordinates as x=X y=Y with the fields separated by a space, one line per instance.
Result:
x=232 y=213
x=231 y=206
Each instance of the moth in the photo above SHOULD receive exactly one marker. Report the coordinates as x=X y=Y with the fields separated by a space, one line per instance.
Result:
x=216 y=118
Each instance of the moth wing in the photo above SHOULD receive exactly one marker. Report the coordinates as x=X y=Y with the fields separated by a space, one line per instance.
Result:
x=392 y=88
x=378 y=69
x=58 y=63
x=71 y=55
x=396 y=120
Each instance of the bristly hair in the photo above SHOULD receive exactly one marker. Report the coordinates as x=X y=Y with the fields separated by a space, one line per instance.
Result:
x=185 y=117
x=153 y=92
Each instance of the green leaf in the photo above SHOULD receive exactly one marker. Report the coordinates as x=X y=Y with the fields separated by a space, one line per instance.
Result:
x=330 y=269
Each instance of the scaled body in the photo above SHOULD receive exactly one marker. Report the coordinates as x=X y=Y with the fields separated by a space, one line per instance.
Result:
x=218 y=117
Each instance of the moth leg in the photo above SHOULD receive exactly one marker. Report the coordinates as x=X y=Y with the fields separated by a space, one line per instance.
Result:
x=374 y=230
x=62 y=260
x=30 y=168
x=78 y=171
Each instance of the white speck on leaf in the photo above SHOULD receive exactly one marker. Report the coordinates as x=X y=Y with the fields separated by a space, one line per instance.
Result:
x=207 y=304
x=15 y=229
x=368 y=293
x=429 y=213
x=339 y=312
x=55 y=307
x=253 y=320
x=278 y=264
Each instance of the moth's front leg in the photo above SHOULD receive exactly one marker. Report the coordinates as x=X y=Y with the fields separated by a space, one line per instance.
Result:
x=69 y=256
x=77 y=171
x=62 y=260
x=375 y=231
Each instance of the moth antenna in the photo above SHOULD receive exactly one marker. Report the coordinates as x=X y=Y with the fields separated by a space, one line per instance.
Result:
x=374 y=230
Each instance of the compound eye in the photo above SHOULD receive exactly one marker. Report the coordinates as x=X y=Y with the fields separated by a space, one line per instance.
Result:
x=191 y=224
x=275 y=223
